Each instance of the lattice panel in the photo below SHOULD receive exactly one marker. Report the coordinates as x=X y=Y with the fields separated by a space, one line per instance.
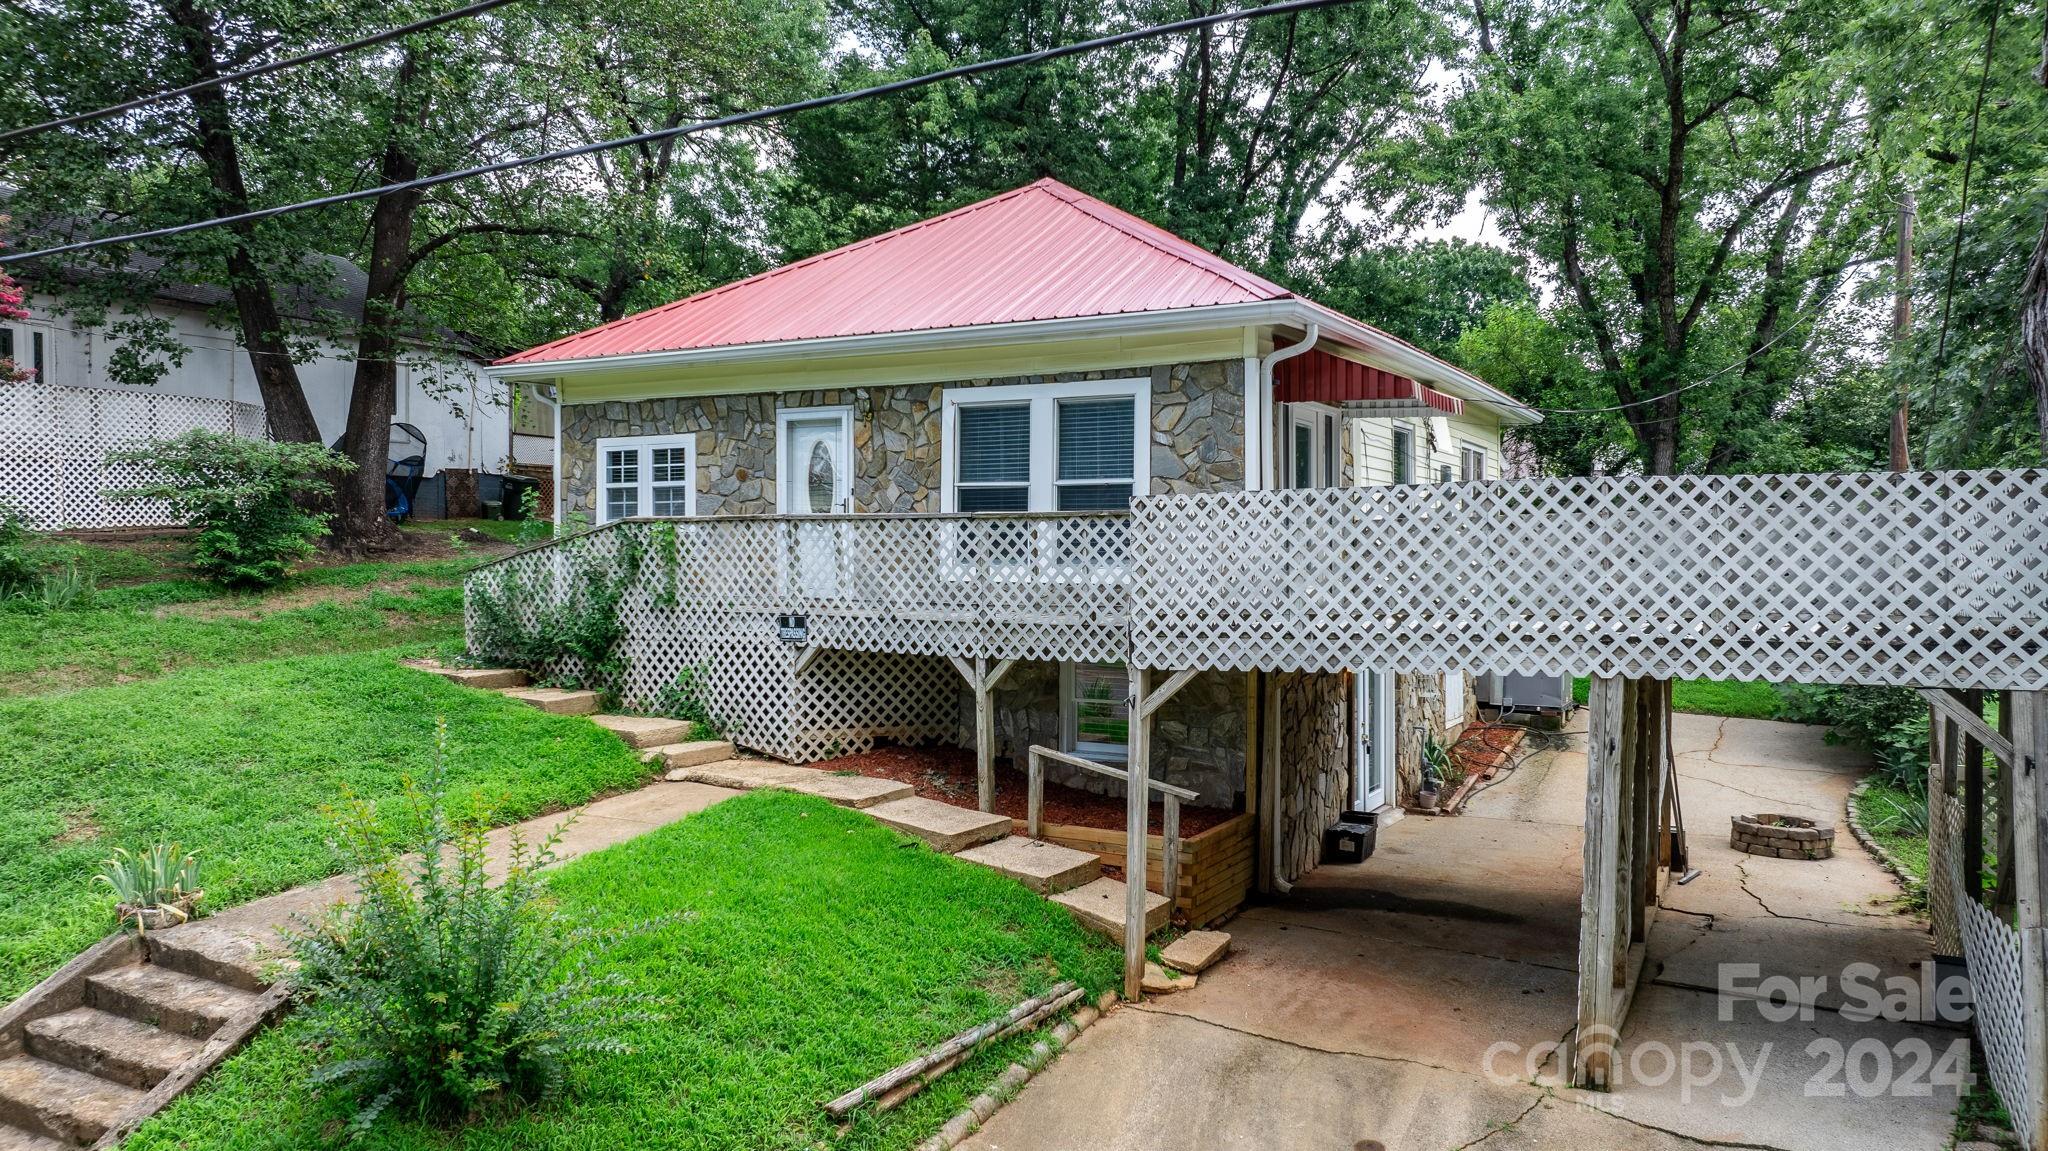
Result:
x=54 y=443
x=1932 y=578
x=1998 y=986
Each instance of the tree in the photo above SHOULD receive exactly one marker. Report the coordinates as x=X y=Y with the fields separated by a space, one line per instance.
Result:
x=1428 y=293
x=1692 y=176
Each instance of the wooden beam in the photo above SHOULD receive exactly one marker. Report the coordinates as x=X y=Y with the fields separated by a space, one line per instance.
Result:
x=984 y=738
x=1165 y=691
x=2030 y=842
x=965 y=669
x=1137 y=794
x=1001 y=669
x=806 y=658
x=1958 y=712
x=1593 y=1039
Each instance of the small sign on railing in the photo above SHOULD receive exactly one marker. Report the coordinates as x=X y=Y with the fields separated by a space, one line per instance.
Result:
x=793 y=628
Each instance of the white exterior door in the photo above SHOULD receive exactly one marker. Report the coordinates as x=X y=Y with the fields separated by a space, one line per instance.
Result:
x=1372 y=739
x=814 y=480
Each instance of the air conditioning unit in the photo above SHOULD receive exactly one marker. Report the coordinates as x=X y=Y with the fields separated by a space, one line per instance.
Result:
x=1525 y=693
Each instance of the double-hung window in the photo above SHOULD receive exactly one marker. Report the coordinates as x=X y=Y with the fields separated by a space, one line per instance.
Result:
x=1471 y=463
x=646 y=476
x=1404 y=456
x=1070 y=447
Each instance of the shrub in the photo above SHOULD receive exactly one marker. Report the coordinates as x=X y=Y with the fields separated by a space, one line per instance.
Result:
x=689 y=697
x=18 y=570
x=243 y=497
x=568 y=630
x=440 y=991
x=161 y=879
x=1887 y=723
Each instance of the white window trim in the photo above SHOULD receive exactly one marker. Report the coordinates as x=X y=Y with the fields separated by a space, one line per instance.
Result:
x=1325 y=452
x=1485 y=464
x=1044 y=400
x=645 y=484
x=1418 y=465
x=1070 y=724
x=784 y=476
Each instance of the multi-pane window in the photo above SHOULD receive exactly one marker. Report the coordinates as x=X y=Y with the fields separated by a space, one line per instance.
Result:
x=1095 y=705
x=1070 y=447
x=645 y=476
x=1471 y=463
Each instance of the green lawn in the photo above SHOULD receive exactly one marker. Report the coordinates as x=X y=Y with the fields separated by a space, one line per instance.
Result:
x=236 y=761
x=818 y=950
x=1882 y=806
x=128 y=633
x=1742 y=699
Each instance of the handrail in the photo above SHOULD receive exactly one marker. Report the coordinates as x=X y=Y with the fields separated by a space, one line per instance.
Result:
x=1169 y=854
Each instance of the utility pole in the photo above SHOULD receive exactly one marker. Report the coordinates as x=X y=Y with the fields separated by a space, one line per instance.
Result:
x=1902 y=315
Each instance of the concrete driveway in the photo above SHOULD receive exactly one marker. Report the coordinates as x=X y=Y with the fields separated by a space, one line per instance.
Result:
x=1396 y=1004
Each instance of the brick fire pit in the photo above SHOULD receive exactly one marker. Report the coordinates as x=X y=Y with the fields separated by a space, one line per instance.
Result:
x=1782 y=836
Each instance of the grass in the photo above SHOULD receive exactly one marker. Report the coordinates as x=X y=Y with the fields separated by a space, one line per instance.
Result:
x=818 y=950
x=236 y=761
x=1881 y=806
x=146 y=630
x=1741 y=699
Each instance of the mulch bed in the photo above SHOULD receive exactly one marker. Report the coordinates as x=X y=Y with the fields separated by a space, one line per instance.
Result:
x=1481 y=748
x=946 y=774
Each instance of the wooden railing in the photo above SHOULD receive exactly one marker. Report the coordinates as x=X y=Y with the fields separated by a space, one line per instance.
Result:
x=1169 y=858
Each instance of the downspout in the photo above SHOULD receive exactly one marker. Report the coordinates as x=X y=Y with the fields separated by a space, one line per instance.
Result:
x=1270 y=451
x=1269 y=443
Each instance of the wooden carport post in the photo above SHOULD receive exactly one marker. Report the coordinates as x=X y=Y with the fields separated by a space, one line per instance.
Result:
x=1144 y=700
x=1624 y=773
x=2030 y=875
x=983 y=680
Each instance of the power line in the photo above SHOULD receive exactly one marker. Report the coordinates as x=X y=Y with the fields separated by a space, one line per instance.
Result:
x=1701 y=382
x=250 y=73
x=958 y=72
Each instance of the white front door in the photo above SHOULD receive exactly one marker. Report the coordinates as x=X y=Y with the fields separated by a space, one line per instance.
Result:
x=813 y=479
x=1372 y=738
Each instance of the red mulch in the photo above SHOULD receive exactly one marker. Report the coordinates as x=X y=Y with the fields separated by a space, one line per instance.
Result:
x=1481 y=748
x=946 y=774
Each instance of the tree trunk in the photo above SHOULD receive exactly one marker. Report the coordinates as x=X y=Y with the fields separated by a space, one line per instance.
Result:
x=277 y=376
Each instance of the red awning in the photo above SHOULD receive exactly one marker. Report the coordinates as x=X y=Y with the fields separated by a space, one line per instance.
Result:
x=1317 y=377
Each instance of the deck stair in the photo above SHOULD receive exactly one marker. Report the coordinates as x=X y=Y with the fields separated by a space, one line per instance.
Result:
x=1099 y=906
x=556 y=700
x=97 y=1049
x=646 y=731
x=1046 y=868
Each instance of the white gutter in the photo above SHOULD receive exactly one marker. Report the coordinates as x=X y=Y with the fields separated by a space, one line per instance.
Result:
x=1395 y=355
x=1270 y=452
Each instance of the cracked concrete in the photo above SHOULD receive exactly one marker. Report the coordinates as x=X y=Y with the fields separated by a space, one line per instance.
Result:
x=1364 y=1004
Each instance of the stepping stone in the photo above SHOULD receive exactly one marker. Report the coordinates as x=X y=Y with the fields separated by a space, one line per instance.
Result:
x=742 y=774
x=644 y=731
x=690 y=754
x=555 y=700
x=1197 y=951
x=45 y=1099
x=209 y=950
x=164 y=998
x=491 y=678
x=947 y=828
x=15 y=1139
x=1158 y=982
x=109 y=1046
x=1099 y=906
x=1042 y=867
x=856 y=791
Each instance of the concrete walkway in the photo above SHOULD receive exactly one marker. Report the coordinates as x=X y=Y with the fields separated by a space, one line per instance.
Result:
x=1361 y=1009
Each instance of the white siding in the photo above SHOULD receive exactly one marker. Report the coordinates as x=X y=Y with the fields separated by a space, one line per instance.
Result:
x=1437 y=440
x=465 y=416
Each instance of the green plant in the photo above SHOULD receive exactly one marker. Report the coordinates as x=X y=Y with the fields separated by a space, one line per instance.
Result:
x=18 y=569
x=1895 y=817
x=59 y=588
x=161 y=879
x=689 y=697
x=532 y=528
x=440 y=990
x=1887 y=723
x=566 y=632
x=1439 y=770
x=243 y=496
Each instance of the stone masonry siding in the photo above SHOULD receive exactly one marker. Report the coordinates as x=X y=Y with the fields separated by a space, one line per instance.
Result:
x=1197 y=437
x=1314 y=766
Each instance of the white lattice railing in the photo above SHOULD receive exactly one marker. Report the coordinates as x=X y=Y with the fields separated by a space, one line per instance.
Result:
x=54 y=442
x=1930 y=578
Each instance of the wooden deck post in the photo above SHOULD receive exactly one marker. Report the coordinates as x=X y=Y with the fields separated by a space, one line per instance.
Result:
x=1592 y=1047
x=2030 y=874
x=983 y=680
x=1137 y=806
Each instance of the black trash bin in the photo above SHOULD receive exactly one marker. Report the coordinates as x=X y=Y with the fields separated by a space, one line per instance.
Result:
x=514 y=495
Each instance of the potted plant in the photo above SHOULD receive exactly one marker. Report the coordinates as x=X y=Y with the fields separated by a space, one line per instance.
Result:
x=156 y=888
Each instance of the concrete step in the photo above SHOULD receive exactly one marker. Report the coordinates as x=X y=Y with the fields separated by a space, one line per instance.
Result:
x=741 y=774
x=208 y=950
x=859 y=792
x=695 y=753
x=110 y=1046
x=179 y=1003
x=555 y=700
x=1099 y=906
x=58 y=1102
x=13 y=1138
x=489 y=678
x=1046 y=868
x=947 y=828
x=644 y=731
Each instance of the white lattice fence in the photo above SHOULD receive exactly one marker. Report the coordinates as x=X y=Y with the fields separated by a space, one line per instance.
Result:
x=1933 y=578
x=54 y=443
x=1997 y=985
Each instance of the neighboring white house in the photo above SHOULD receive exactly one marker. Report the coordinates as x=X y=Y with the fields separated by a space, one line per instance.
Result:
x=54 y=431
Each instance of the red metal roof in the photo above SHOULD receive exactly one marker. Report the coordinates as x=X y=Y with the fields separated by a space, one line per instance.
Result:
x=1318 y=377
x=1041 y=252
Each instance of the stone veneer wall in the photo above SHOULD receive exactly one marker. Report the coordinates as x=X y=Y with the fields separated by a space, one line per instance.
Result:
x=1197 y=437
x=1418 y=707
x=1315 y=765
x=1198 y=738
